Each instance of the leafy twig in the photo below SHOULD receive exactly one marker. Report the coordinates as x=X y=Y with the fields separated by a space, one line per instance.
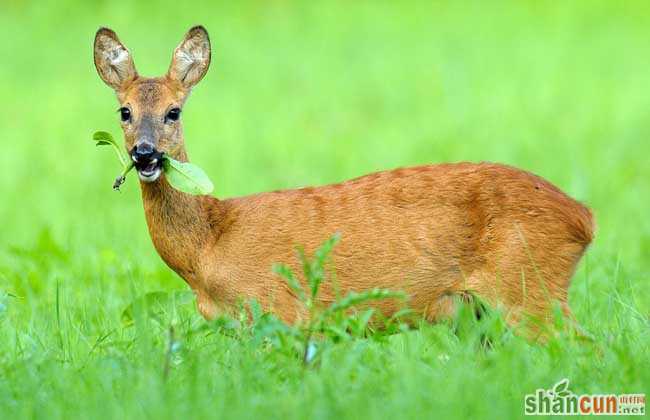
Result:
x=183 y=176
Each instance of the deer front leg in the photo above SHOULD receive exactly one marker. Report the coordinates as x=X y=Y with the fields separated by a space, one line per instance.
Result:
x=206 y=305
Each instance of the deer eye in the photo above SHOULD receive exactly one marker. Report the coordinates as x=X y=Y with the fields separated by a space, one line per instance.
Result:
x=125 y=114
x=173 y=114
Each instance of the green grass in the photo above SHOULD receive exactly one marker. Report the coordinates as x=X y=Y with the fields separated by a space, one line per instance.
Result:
x=309 y=93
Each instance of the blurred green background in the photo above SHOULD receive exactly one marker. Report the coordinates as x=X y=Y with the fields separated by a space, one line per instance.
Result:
x=303 y=93
x=308 y=93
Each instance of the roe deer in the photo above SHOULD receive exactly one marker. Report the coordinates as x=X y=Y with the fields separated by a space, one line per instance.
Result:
x=433 y=232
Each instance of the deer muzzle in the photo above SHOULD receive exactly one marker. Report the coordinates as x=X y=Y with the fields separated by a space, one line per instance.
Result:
x=147 y=160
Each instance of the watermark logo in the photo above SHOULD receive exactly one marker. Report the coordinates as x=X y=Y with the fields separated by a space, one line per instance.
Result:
x=561 y=401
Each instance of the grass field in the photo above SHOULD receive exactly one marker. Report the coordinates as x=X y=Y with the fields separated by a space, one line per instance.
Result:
x=308 y=93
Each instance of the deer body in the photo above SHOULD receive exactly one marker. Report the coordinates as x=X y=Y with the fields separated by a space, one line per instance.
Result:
x=433 y=231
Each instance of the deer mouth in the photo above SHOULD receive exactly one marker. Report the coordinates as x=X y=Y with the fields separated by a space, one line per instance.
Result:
x=150 y=168
x=147 y=160
x=150 y=171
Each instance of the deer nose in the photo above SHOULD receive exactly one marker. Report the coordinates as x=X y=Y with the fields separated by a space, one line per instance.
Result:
x=143 y=152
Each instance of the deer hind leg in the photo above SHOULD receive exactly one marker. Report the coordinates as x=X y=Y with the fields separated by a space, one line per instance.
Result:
x=529 y=280
x=526 y=302
x=447 y=306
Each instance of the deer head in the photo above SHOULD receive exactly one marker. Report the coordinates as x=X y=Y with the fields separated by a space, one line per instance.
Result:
x=150 y=108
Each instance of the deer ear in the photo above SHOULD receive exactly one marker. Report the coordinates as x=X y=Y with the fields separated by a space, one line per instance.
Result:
x=191 y=58
x=112 y=60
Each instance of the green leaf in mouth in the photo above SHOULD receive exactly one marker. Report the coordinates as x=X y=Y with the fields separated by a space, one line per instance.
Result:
x=183 y=176
x=186 y=177
x=103 y=138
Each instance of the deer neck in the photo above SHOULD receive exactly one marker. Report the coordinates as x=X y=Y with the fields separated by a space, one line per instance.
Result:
x=178 y=223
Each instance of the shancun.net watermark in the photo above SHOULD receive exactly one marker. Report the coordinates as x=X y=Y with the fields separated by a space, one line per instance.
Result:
x=559 y=400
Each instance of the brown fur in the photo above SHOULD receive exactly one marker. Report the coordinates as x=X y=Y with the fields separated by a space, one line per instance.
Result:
x=432 y=231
